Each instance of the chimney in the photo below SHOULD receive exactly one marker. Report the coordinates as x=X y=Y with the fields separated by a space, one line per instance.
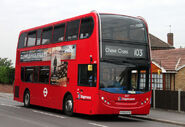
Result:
x=170 y=38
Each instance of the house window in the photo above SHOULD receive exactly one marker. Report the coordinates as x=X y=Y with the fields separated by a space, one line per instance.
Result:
x=142 y=80
x=168 y=82
x=157 y=81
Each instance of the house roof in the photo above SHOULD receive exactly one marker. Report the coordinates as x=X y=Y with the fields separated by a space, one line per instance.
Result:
x=170 y=60
x=158 y=44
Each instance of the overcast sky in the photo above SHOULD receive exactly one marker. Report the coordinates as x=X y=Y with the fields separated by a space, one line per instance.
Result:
x=16 y=15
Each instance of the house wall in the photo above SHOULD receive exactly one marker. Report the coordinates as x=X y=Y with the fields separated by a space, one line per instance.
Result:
x=154 y=68
x=172 y=81
x=180 y=79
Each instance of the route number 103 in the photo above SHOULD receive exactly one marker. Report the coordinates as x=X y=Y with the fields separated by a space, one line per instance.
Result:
x=138 y=52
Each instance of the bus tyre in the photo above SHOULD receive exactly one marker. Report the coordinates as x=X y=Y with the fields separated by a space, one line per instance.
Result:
x=27 y=99
x=68 y=105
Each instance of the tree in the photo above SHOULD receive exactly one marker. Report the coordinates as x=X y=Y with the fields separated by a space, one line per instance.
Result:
x=7 y=72
x=5 y=62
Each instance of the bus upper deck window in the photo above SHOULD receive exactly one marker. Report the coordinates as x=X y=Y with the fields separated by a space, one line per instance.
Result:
x=58 y=33
x=38 y=37
x=31 y=38
x=46 y=35
x=72 y=30
x=86 y=27
x=22 y=40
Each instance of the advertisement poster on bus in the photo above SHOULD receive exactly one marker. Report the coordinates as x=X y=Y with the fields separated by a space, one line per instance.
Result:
x=58 y=67
x=36 y=55
x=59 y=73
x=68 y=52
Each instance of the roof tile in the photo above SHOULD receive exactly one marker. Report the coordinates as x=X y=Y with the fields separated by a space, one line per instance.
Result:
x=169 y=59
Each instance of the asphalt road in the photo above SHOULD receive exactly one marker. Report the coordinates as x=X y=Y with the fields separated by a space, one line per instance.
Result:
x=14 y=114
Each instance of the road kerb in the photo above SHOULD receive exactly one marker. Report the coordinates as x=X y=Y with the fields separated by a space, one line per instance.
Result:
x=160 y=120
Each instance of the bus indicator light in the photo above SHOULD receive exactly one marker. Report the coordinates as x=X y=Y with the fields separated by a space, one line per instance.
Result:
x=45 y=92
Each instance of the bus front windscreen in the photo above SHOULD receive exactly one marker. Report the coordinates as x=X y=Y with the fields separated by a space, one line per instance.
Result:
x=122 y=28
x=124 y=78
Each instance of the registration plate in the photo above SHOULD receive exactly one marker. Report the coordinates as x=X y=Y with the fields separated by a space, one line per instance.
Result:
x=125 y=113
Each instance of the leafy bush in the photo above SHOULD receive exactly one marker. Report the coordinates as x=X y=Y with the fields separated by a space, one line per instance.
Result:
x=7 y=72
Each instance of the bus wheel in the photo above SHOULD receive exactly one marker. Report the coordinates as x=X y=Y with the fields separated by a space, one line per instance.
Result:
x=68 y=105
x=27 y=99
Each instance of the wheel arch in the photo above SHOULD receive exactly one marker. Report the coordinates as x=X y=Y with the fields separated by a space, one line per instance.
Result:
x=26 y=89
x=66 y=94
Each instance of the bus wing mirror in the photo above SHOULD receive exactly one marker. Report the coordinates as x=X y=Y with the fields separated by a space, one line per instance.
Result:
x=67 y=80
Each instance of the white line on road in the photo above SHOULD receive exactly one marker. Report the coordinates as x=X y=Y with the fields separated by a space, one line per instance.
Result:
x=99 y=125
x=48 y=114
x=9 y=105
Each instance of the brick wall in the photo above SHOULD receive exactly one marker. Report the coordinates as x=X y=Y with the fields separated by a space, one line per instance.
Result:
x=180 y=79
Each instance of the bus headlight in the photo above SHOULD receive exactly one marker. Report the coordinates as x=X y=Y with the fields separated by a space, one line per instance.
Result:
x=102 y=98
x=105 y=101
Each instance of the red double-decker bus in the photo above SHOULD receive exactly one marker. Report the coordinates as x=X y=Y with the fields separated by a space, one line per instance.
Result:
x=91 y=64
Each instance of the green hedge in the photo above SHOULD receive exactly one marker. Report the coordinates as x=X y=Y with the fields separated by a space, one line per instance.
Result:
x=7 y=72
x=6 y=75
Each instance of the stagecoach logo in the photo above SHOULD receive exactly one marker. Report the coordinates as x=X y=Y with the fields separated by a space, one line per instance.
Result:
x=83 y=97
x=126 y=99
x=45 y=92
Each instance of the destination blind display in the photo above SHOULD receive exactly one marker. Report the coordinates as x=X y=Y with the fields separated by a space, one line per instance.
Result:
x=122 y=51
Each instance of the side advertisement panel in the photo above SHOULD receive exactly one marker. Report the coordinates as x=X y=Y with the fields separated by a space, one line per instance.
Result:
x=57 y=56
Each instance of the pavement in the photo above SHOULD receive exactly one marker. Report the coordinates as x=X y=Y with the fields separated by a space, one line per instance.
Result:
x=6 y=95
x=156 y=115
x=166 y=116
